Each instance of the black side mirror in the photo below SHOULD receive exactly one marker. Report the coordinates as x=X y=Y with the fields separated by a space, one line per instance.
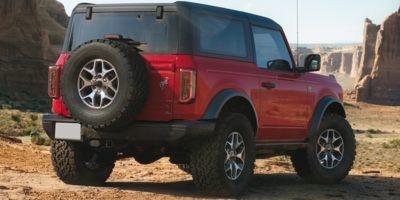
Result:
x=279 y=64
x=312 y=63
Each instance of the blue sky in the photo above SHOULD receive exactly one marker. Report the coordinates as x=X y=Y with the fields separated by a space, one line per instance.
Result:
x=320 y=21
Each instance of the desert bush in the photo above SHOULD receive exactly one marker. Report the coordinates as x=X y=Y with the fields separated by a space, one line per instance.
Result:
x=18 y=123
x=39 y=139
x=374 y=131
x=6 y=106
x=34 y=117
x=16 y=117
x=369 y=136
x=393 y=144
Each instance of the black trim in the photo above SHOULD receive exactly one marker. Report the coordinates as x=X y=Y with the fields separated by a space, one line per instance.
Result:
x=275 y=149
x=218 y=102
x=319 y=112
x=169 y=132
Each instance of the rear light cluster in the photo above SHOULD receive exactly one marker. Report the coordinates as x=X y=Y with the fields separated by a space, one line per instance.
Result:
x=188 y=85
x=54 y=82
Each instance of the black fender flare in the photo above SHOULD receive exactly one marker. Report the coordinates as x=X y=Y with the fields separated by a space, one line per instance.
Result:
x=320 y=110
x=217 y=103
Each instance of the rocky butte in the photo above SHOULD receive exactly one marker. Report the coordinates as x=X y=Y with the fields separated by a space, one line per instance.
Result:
x=380 y=68
x=31 y=35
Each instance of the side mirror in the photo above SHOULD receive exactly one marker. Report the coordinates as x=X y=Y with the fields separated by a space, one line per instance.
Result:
x=279 y=64
x=312 y=63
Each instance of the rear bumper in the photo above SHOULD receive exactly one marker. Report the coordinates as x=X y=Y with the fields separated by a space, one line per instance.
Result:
x=140 y=131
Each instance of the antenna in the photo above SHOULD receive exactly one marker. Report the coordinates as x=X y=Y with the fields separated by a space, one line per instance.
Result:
x=297 y=13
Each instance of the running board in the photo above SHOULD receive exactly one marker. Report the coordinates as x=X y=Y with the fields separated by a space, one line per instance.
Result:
x=275 y=149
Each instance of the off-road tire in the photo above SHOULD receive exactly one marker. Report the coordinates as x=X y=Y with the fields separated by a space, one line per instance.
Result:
x=69 y=163
x=306 y=163
x=207 y=160
x=133 y=84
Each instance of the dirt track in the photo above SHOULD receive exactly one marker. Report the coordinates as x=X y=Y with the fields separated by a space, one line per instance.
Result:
x=26 y=172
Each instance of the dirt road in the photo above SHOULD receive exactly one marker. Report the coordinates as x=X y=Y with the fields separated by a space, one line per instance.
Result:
x=26 y=173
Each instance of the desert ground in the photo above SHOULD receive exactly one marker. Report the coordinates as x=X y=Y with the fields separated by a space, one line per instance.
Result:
x=26 y=171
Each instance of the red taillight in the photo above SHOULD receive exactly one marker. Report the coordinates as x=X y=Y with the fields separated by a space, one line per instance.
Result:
x=54 y=82
x=188 y=85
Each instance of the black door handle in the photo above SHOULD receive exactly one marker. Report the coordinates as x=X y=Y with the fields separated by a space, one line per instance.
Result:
x=268 y=85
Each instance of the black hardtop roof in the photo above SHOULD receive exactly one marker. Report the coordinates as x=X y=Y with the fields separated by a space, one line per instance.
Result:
x=256 y=19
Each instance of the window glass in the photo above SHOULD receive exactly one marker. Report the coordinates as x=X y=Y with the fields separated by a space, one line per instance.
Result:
x=271 y=48
x=220 y=35
x=159 y=36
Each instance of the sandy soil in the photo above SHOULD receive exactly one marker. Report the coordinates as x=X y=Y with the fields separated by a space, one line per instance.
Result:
x=364 y=116
x=26 y=173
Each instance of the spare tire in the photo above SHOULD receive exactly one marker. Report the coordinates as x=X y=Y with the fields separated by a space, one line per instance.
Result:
x=104 y=84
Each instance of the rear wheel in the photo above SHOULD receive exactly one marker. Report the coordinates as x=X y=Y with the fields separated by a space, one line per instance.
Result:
x=223 y=164
x=330 y=153
x=81 y=165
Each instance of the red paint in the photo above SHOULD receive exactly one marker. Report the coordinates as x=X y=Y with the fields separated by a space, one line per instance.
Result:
x=284 y=113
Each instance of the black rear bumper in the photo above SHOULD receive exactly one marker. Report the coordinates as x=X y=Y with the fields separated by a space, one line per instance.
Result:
x=140 y=131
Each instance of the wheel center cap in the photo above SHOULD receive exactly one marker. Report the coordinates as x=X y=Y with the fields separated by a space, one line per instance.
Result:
x=98 y=83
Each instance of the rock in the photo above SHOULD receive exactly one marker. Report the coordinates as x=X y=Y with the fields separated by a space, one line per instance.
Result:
x=356 y=63
x=7 y=138
x=330 y=62
x=31 y=35
x=363 y=88
x=346 y=63
x=382 y=83
x=386 y=71
x=368 y=49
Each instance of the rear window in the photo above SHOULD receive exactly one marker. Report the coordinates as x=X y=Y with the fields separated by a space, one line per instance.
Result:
x=219 y=35
x=158 y=35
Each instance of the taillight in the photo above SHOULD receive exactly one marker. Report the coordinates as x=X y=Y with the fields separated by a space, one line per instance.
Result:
x=188 y=85
x=54 y=82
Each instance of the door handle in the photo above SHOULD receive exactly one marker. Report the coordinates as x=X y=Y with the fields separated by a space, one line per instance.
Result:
x=268 y=85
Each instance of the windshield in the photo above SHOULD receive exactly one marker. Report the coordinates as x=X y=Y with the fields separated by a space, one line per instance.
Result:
x=158 y=36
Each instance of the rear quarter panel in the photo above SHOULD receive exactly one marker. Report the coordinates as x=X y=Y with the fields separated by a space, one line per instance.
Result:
x=213 y=76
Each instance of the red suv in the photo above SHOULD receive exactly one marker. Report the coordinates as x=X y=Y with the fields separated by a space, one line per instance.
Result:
x=211 y=88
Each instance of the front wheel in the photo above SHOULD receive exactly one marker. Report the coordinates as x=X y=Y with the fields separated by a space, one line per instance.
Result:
x=78 y=164
x=330 y=154
x=223 y=164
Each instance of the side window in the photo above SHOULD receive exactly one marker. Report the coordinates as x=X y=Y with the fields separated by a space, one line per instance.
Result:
x=271 y=51
x=219 y=35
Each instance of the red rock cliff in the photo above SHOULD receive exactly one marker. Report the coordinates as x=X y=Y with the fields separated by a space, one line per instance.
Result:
x=31 y=33
x=383 y=82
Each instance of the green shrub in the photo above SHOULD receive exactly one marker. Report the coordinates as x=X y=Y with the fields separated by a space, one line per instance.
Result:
x=374 y=131
x=6 y=106
x=393 y=144
x=34 y=117
x=16 y=117
x=47 y=142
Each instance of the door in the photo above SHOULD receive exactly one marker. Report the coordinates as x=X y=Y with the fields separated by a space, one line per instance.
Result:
x=283 y=93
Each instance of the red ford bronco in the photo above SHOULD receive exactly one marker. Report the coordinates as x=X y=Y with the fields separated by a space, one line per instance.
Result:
x=212 y=89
